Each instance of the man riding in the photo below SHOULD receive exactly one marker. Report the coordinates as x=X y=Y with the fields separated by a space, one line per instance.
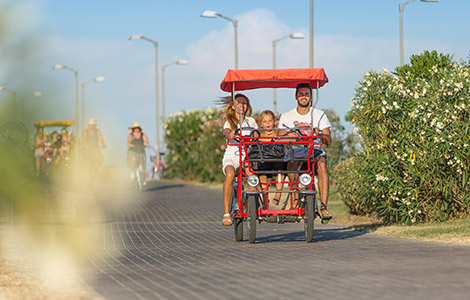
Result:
x=301 y=116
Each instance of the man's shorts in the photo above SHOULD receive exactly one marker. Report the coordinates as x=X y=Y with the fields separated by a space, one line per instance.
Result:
x=316 y=153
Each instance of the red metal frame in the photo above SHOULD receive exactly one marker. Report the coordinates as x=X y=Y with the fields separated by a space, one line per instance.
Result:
x=238 y=80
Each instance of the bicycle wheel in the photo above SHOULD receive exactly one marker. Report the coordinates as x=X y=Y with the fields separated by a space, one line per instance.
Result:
x=309 y=218
x=234 y=210
x=139 y=179
x=252 y=218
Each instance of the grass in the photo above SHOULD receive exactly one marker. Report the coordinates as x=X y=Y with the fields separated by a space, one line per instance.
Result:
x=452 y=231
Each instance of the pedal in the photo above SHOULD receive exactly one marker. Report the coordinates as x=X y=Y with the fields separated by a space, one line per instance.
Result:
x=325 y=220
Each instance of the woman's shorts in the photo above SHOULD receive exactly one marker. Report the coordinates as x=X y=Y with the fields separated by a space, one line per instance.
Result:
x=38 y=153
x=233 y=161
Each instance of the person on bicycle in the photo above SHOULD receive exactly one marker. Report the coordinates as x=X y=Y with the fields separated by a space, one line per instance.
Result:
x=231 y=160
x=301 y=117
x=136 y=141
x=91 y=138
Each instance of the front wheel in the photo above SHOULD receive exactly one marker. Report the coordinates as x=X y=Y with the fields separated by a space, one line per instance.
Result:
x=139 y=178
x=309 y=219
x=252 y=218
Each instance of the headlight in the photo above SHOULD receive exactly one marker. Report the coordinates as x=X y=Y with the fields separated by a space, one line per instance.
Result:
x=252 y=180
x=305 y=179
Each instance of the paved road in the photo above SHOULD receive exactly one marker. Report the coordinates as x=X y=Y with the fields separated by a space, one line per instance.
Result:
x=172 y=245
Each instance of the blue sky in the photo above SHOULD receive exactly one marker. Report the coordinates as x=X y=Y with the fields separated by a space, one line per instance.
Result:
x=350 y=37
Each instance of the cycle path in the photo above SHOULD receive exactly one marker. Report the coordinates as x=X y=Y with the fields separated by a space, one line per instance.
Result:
x=169 y=243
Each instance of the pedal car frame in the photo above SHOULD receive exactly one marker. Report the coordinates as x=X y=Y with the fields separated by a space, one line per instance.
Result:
x=246 y=206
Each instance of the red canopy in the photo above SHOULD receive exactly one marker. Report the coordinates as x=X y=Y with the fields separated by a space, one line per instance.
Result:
x=240 y=80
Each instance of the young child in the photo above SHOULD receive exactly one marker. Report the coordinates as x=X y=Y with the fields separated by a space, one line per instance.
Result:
x=230 y=162
x=267 y=121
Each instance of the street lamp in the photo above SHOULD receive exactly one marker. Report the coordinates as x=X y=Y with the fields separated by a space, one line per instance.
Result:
x=176 y=62
x=60 y=67
x=96 y=79
x=292 y=36
x=310 y=62
x=401 y=7
x=35 y=94
x=13 y=93
x=157 y=112
x=214 y=14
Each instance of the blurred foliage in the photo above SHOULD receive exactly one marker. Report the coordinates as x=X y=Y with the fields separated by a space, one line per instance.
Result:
x=195 y=145
x=414 y=128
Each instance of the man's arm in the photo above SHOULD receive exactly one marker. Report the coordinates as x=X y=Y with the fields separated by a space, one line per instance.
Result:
x=327 y=135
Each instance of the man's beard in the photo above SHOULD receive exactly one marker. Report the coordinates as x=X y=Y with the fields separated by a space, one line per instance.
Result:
x=304 y=105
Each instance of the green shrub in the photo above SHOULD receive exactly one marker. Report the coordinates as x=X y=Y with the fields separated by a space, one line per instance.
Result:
x=414 y=128
x=195 y=144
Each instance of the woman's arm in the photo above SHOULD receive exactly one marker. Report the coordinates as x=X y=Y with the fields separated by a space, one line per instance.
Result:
x=146 y=140
x=129 y=139
x=84 y=137
x=100 y=137
x=228 y=133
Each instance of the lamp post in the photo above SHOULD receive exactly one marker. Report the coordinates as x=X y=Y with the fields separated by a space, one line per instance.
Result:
x=214 y=14
x=157 y=112
x=13 y=93
x=96 y=79
x=176 y=62
x=311 y=36
x=292 y=36
x=59 y=67
x=35 y=94
x=401 y=7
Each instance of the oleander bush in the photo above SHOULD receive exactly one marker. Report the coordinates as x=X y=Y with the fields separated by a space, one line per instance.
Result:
x=414 y=129
x=195 y=145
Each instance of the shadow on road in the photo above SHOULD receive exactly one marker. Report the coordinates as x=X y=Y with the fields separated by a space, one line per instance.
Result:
x=164 y=187
x=320 y=235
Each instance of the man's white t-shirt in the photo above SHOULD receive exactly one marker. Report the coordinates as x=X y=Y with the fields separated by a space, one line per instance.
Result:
x=292 y=119
x=248 y=122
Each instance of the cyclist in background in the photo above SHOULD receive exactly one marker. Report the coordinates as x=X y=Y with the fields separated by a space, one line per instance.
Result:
x=91 y=153
x=136 y=141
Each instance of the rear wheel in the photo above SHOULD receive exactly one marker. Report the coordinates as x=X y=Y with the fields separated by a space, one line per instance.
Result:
x=238 y=227
x=234 y=210
x=309 y=219
x=252 y=218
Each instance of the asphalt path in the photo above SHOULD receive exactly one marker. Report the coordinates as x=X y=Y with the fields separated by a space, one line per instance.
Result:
x=169 y=243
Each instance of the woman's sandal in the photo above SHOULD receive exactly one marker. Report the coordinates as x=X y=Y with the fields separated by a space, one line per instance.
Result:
x=275 y=201
x=325 y=213
x=227 y=220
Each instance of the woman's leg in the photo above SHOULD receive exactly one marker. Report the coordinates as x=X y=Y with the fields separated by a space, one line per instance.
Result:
x=228 y=187
x=38 y=165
